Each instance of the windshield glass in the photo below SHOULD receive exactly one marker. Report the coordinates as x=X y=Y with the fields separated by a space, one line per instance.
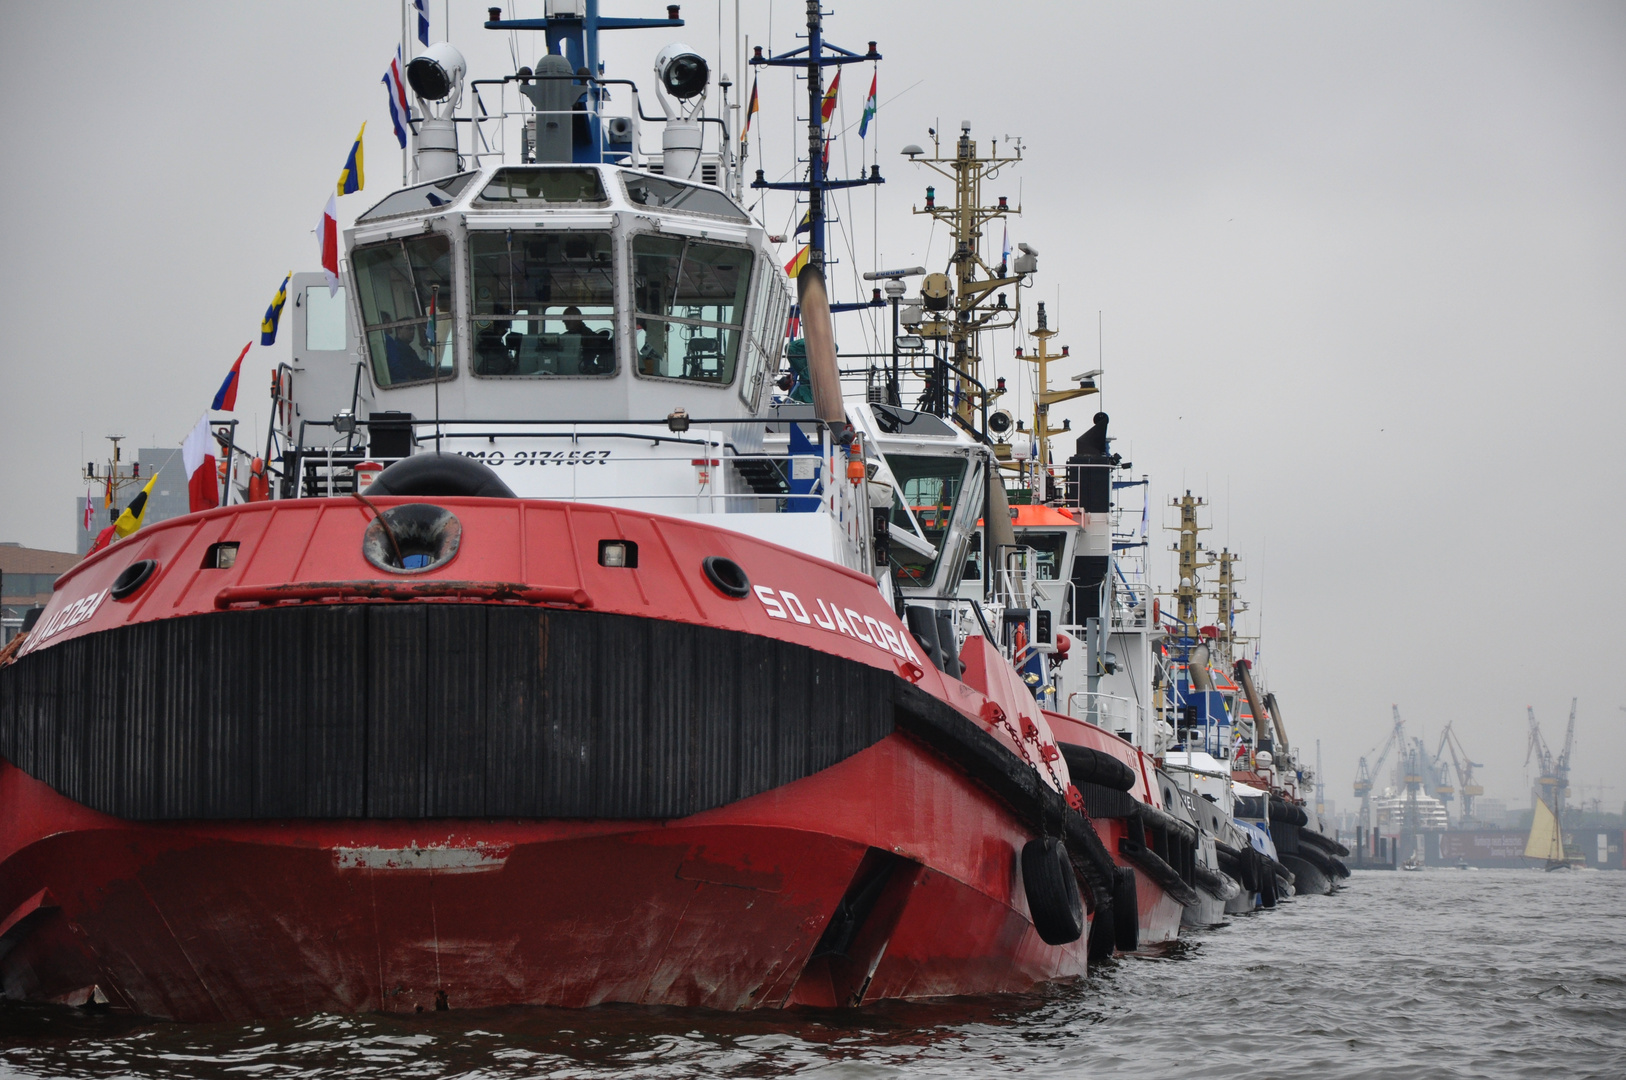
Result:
x=419 y=199
x=544 y=303
x=691 y=302
x=537 y=186
x=398 y=281
x=1047 y=548
x=931 y=487
x=671 y=195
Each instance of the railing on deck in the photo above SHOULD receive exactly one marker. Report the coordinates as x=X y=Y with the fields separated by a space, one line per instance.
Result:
x=719 y=469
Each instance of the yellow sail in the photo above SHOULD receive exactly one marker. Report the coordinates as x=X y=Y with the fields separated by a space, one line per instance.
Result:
x=1545 y=840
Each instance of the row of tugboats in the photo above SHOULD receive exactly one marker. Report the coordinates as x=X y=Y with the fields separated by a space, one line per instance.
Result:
x=593 y=643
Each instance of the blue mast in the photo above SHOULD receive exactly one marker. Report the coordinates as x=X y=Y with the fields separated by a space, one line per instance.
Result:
x=814 y=57
x=575 y=37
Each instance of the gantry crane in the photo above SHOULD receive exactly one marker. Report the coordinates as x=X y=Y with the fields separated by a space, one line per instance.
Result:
x=1363 y=775
x=1553 y=780
x=1464 y=768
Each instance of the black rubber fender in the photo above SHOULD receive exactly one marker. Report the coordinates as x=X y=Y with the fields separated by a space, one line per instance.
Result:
x=1126 y=921
x=1054 y=902
x=430 y=475
x=1086 y=765
x=1103 y=934
x=1267 y=889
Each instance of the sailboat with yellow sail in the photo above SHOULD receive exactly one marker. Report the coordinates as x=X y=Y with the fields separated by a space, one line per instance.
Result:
x=1547 y=839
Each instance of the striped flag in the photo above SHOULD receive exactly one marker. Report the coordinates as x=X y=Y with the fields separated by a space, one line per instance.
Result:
x=90 y=511
x=750 y=111
x=869 y=109
x=327 y=241
x=400 y=111
x=198 y=459
x=226 y=397
x=352 y=178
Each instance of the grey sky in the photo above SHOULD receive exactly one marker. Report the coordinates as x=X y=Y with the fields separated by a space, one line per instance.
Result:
x=1362 y=270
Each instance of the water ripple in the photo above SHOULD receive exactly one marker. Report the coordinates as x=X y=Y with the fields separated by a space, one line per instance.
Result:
x=1441 y=974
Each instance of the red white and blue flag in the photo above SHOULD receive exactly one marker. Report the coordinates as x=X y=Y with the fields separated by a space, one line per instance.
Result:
x=400 y=112
x=226 y=396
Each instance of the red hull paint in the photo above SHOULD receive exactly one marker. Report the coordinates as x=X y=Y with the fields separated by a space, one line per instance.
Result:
x=1159 y=913
x=238 y=920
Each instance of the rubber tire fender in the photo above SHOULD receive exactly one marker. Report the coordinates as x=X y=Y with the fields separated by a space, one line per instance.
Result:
x=1086 y=764
x=1054 y=902
x=1267 y=888
x=1126 y=908
x=1103 y=934
x=431 y=476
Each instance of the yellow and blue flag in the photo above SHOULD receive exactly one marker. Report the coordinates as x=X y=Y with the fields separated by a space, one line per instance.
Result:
x=351 y=179
x=273 y=314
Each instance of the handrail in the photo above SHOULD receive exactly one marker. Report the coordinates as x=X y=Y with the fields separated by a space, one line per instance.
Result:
x=317 y=591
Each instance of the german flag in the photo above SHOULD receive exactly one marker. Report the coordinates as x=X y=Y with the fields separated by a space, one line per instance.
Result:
x=130 y=520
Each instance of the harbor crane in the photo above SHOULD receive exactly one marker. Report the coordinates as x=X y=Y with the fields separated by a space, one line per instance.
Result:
x=1363 y=775
x=1554 y=773
x=1463 y=766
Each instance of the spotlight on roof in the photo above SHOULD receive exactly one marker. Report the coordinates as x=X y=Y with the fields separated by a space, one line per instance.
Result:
x=437 y=73
x=682 y=71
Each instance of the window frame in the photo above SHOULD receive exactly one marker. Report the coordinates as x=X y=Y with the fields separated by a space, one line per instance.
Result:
x=634 y=315
x=448 y=295
x=619 y=299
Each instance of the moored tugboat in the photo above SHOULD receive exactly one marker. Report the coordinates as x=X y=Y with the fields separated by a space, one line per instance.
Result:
x=563 y=664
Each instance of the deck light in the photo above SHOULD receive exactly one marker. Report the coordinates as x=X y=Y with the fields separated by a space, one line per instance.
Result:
x=678 y=419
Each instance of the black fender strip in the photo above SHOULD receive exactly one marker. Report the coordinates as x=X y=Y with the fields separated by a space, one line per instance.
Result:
x=1164 y=875
x=1219 y=885
x=962 y=742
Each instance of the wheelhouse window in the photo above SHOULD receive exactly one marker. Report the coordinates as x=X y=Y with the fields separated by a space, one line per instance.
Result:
x=690 y=298
x=543 y=303
x=541 y=186
x=1047 y=548
x=931 y=487
x=419 y=199
x=398 y=281
x=657 y=191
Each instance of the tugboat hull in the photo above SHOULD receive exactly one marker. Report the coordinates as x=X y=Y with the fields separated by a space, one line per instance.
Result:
x=728 y=909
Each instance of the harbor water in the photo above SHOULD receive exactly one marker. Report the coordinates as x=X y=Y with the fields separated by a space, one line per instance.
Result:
x=1443 y=973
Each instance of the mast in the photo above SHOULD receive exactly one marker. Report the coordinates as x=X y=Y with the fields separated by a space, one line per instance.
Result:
x=1226 y=598
x=1043 y=398
x=1188 y=590
x=813 y=58
x=958 y=302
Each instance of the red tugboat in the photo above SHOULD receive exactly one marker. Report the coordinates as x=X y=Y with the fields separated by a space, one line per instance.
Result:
x=621 y=682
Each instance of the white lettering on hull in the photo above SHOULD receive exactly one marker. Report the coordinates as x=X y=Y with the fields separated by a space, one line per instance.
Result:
x=834 y=619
